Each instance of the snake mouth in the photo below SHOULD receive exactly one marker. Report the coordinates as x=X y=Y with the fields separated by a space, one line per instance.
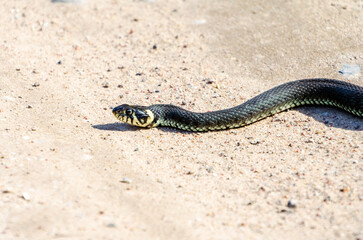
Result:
x=134 y=115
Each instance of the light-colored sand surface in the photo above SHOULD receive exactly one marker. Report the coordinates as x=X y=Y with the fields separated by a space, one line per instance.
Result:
x=65 y=161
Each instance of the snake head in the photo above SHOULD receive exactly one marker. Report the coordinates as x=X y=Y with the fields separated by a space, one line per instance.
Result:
x=134 y=115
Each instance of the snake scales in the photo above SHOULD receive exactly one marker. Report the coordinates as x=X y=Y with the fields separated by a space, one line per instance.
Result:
x=328 y=92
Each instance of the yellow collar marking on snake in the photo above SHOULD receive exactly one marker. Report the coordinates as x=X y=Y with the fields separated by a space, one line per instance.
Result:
x=134 y=120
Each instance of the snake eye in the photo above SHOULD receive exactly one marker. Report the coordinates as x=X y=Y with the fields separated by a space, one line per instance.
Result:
x=128 y=111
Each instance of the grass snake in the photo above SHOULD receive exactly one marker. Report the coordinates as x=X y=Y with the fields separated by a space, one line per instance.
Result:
x=328 y=92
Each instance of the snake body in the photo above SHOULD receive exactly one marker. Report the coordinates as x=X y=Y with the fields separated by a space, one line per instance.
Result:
x=328 y=92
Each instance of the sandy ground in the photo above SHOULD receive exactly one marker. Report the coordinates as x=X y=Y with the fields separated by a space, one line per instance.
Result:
x=69 y=170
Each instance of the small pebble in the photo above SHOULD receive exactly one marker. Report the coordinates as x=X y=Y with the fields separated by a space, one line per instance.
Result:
x=155 y=46
x=36 y=84
x=350 y=70
x=291 y=203
x=8 y=98
x=200 y=21
x=105 y=85
x=209 y=81
x=209 y=169
x=111 y=225
x=126 y=180
x=33 y=129
x=327 y=199
x=59 y=62
x=254 y=142
x=87 y=157
x=25 y=196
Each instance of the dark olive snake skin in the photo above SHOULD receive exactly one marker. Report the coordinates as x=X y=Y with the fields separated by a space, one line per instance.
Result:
x=328 y=92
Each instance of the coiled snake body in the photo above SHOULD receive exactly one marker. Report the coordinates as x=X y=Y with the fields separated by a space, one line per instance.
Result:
x=329 y=92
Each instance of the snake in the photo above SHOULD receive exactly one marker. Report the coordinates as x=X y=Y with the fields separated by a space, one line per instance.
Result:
x=315 y=92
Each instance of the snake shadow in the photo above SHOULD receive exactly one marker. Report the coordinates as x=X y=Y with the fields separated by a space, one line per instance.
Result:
x=333 y=117
x=123 y=127
x=117 y=126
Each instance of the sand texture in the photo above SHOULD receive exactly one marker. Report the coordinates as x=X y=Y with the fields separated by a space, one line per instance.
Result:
x=70 y=170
